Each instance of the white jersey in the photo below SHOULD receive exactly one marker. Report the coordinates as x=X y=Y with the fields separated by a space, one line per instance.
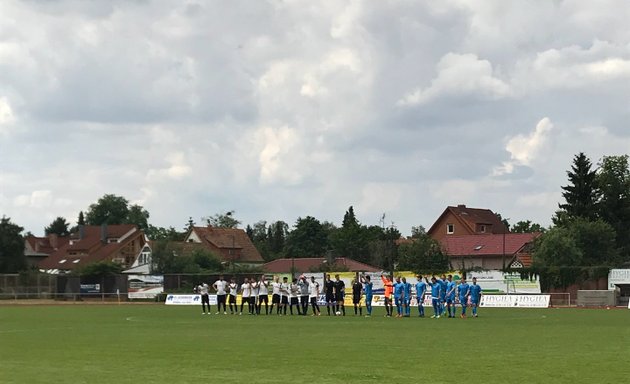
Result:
x=284 y=289
x=294 y=291
x=233 y=289
x=313 y=289
x=203 y=289
x=276 y=288
x=255 y=288
x=263 y=288
x=221 y=286
x=246 y=290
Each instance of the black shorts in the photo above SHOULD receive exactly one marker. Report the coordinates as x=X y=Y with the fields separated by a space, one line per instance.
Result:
x=205 y=299
x=304 y=299
x=275 y=299
x=284 y=300
x=295 y=301
x=330 y=298
x=313 y=300
x=232 y=299
x=221 y=299
x=264 y=298
x=339 y=299
x=356 y=299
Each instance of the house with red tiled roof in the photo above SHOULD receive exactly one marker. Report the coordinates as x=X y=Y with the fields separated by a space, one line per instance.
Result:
x=490 y=251
x=461 y=220
x=37 y=249
x=229 y=244
x=118 y=243
x=314 y=264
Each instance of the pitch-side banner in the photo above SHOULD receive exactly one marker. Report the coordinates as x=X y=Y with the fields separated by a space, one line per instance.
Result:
x=145 y=286
x=188 y=299
x=515 y=301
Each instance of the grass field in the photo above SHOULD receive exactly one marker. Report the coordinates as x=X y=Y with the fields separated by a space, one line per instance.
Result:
x=160 y=344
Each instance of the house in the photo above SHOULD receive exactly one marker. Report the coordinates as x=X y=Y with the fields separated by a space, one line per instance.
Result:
x=37 y=249
x=311 y=264
x=118 y=243
x=461 y=220
x=229 y=244
x=490 y=251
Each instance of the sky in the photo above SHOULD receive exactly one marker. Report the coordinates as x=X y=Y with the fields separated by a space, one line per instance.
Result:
x=282 y=109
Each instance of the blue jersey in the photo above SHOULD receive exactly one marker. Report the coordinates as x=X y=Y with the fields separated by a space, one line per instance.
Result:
x=407 y=289
x=367 y=287
x=475 y=292
x=450 y=290
x=399 y=289
x=442 y=287
x=436 y=288
x=421 y=288
x=463 y=291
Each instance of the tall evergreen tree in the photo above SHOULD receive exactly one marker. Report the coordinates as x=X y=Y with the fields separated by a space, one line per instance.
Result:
x=581 y=194
x=59 y=226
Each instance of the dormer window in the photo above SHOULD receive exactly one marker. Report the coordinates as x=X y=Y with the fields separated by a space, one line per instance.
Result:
x=450 y=229
x=482 y=228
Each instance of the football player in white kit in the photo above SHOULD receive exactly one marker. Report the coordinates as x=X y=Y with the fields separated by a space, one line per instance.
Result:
x=220 y=286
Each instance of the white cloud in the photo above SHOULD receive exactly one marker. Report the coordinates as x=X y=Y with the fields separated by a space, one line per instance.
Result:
x=6 y=115
x=460 y=75
x=177 y=169
x=524 y=149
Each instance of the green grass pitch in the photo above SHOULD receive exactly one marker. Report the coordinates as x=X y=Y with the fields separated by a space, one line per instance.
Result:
x=160 y=344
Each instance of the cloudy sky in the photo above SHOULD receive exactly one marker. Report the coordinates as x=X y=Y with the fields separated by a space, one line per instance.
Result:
x=278 y=109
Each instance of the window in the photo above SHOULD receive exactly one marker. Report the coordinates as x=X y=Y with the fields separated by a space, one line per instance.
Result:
x=450 y=229
x=76 y=261
x=62 y=261
x=482 y=228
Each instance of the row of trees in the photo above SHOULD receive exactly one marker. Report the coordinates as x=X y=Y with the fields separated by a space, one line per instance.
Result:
x=591 y=231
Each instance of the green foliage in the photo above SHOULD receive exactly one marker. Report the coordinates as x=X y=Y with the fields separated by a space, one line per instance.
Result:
x=161 y=233
x=171 y=257
x=423 y=255
x=223 y=220
x=309 y=238
x=383 y=251
x=613 y=179
x=527 y=227
x=99 y=269
x=557 y=247
x=59 y=227
x=12 y=257
x=109 y=209
x=81 y=219
x=138 y=216
x=353 y=239
x=581 y=194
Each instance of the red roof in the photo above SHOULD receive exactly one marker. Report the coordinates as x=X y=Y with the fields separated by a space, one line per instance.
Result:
x=86 y=246
x=303 y=265
x=45 y=245
x=487 y=245
x=224 y=239
x=470 y=217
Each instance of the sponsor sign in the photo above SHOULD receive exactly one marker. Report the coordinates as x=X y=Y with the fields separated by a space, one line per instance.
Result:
x=515 y=301
x=145 y=286
x=90 y=288
x=188 y=299
x=618 y=277
x=499 y=282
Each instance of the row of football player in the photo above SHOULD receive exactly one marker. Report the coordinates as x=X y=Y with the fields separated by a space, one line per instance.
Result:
x=302 y=292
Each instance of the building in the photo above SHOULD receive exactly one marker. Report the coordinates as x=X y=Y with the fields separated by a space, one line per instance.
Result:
x=37 y=249
x=315 y=264
x=461 y=220
x=122 y=244
x=229 y=244
x=490 y=251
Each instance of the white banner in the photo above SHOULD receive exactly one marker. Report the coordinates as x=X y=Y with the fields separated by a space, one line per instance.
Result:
x=188 y=299
x=145 y=286
x=515 y=301
x=499 y=282
x=618 y=276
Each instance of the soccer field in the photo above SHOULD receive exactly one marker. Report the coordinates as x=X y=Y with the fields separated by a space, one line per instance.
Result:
x=160 y=344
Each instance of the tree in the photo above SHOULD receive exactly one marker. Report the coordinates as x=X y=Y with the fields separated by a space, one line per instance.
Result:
x=383 y=251
x=59 y=227
x=99 y=269
x=557 y=247
x=424 y=256
x=161 y=233
x=309 y=238
x=223 y=220
x=138 y=216
x=596 y=241
x=527 y=227
x=109 y=209
x=418 y=231
x=81 y=219
x=170 y=257
x=353 y=239
x=505 y=222
x=581 y=194
x=613 y=179
x=12 y=259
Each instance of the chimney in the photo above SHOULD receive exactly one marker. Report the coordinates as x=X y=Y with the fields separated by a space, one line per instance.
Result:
x=103 y=233
x=461 y=206
x=81 y=231
x=53 y=239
